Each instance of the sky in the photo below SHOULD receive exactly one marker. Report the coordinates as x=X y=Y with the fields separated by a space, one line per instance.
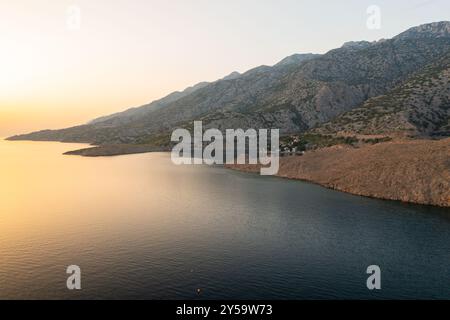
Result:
x=65 y=62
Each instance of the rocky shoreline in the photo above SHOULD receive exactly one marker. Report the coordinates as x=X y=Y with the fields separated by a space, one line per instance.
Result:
x=412 y=171
x=416 y=171
x=116 y=150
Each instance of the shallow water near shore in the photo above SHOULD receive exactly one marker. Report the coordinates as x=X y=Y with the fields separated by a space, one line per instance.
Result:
x=140 y=227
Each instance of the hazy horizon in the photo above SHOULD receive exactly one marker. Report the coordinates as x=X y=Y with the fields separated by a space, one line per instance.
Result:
x=126 y=54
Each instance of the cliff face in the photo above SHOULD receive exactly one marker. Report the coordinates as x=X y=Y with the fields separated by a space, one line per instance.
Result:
x=415 y=171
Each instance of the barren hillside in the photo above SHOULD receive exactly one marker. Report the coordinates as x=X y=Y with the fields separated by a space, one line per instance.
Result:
x=416 y=171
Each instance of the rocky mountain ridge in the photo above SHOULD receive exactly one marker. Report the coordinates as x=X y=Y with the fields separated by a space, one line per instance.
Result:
x=299 y=93
x=420 y=107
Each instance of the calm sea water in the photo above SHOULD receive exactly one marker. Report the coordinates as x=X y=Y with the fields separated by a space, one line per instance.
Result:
x=140 y=227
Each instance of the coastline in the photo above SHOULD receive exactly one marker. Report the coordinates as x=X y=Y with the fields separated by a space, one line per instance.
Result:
x=115 y=150
x=415 y=171
x=410 y=171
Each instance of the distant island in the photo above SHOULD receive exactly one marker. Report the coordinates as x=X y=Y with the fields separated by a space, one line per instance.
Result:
x=372 y=118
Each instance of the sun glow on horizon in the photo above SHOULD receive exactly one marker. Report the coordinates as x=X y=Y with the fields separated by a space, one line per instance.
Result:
x=16 y=65
x=126 y=54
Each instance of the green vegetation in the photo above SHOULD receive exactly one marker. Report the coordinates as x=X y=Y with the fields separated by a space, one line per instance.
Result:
x=311 y=141
x=158 y=140
x=376 y=140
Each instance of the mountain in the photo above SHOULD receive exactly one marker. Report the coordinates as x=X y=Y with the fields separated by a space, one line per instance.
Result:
x=296 y=59
x=138 y=113
x=357 y=44
x=432 y=31
x=299 y=93
x=132 y=114
x=420 y=107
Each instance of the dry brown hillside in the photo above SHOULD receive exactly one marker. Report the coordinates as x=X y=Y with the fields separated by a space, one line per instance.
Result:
x=412 y=171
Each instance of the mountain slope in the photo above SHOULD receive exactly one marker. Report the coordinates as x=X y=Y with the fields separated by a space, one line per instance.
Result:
x=433 y=30
x=142 y=112
x=419 y=107
x=295 y=95
x=297 y=59
x=132 y=114
x=416 y=171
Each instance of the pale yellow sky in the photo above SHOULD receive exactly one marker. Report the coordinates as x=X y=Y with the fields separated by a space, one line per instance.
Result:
x=126 y=53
